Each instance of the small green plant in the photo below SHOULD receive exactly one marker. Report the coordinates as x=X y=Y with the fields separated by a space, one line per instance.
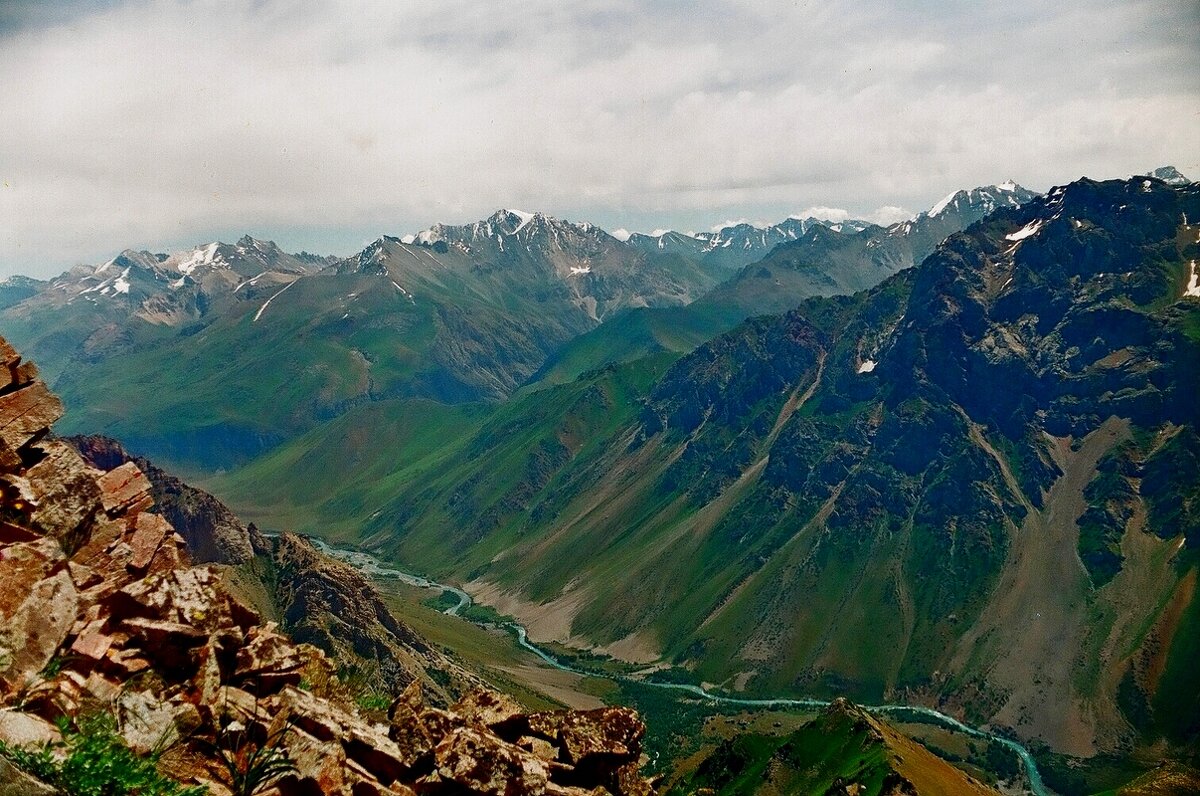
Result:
x=55 y=666
x=251 y=766
x=372 y=701
x=96 y=762
x=360 y=683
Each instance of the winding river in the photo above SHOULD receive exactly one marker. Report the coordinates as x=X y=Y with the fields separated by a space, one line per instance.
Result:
x=371 y=566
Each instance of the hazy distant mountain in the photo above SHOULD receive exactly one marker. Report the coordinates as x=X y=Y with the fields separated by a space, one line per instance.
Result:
x=734 y=246
x=465 y=314
x=16 y=289
x=92 y=312
x=515 y=254
x=1170 y=175
x=820 y=262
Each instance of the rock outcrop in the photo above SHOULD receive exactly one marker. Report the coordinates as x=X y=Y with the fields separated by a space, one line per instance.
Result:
x=333 y=606
x=213 y=532
x=101 y=611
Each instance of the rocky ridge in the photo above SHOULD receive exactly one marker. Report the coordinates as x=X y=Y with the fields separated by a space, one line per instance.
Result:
x=102 y=613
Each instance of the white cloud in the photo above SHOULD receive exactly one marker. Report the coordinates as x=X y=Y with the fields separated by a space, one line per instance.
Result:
x=889 y=214
x=733 y=222
x=162 y=122
x=824 y=213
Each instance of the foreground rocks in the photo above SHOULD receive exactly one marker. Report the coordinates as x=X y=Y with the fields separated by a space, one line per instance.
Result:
x=100 y=610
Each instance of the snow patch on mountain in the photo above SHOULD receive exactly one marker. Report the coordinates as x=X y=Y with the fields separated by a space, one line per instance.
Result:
x=1026 y=231
x=267 y=303
x=205 y=255
x=524 y=217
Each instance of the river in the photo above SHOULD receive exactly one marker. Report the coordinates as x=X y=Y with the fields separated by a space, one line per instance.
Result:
x=372 y=566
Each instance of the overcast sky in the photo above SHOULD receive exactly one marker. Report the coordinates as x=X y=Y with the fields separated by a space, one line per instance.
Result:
x=322 y=125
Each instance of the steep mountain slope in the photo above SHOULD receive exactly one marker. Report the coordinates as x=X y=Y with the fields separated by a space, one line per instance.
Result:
x=973 y=484
x=811 y=259
x=843 y=751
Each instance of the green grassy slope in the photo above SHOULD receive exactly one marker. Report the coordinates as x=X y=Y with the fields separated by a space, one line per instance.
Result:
x=841 y=751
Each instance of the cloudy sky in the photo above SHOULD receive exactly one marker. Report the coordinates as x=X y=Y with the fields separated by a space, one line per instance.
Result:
x=322 y=125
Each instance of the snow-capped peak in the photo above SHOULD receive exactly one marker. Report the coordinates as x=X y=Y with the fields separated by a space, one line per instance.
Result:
x=202 y=255
x=1008 y=186
x=943 y=204
x=523 y=216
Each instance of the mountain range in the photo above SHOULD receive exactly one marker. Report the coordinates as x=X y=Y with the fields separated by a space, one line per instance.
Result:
x=456 y=314
x=971 y=485
x=950 y=462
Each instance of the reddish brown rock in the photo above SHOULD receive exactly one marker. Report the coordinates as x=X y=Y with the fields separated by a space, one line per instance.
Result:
x=148 y=534
x=92 y=644
x=84 y=576
x=191 y=597
x=168 y=557
x=66 y=498
x=629 y=781
x=101 y=689
x=20 y=730
x=103 y=535
x=481 y=763
x=125 y=663
x=15 y=782
x=268 y=661
x=583 y=735
x=319 y=764
x=366 y=744
x=487 y=708
x=413 y=737
x=124 y=490
x=539 y=747
x=146 y=722
x=167 y=644
x=27 y=413
x=22 y=565
x=10 y=534
x=30 y=637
